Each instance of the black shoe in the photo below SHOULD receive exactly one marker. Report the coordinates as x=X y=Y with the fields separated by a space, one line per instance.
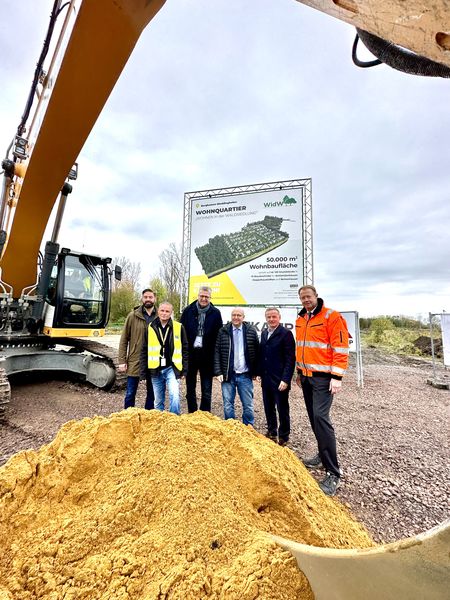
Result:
x=314 y=462
x=282 y=442
x=330 y=484
x=271 y=437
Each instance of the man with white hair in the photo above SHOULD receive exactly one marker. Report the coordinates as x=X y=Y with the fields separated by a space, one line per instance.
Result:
x=236 y=364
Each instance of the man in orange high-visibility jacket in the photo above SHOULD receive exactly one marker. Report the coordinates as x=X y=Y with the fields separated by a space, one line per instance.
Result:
x=321 y=360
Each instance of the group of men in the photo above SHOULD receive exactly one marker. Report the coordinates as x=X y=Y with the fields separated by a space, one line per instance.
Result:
x=160 y=350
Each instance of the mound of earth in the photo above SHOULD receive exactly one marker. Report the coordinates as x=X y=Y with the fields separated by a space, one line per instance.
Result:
x=423 y=343
x=145 y=504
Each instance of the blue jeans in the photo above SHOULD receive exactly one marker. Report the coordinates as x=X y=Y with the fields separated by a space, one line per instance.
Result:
x=166 y=379
x=244 y=385
x=130 y=394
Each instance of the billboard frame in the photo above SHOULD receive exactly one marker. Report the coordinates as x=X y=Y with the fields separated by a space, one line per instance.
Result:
x=307 y=222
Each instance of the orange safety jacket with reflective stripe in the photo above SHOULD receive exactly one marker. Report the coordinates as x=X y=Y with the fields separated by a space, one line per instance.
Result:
x=321 y=342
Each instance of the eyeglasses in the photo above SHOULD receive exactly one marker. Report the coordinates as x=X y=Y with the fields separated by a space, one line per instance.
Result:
x=206 y=297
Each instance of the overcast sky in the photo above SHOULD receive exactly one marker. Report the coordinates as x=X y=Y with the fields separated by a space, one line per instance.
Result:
x=231 y=92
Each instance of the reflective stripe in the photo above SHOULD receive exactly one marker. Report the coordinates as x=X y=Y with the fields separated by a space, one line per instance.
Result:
x=338 y=370
x=341 y=350
x=324 y=368
x=328 y=313
x=320 y=345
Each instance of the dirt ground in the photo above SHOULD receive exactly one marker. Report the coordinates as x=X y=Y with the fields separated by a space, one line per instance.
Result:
x=393 y=436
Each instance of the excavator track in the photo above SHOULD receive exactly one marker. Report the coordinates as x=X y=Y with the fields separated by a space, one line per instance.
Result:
x=5 y=392
x=100 y=350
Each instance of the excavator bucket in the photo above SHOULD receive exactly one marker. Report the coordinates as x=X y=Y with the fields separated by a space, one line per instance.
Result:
x=416 y=568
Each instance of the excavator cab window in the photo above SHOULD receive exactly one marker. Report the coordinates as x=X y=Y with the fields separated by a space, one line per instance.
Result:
x=82 y=291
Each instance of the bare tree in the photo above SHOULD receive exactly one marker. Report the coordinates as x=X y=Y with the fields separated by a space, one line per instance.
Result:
x=131 y=272
x=171 y=274
x=170 y=268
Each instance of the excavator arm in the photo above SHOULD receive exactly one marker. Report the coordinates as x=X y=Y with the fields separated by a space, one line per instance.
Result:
x=104 y=35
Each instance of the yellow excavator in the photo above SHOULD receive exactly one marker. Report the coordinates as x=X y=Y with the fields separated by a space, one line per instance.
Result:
x=53 y=300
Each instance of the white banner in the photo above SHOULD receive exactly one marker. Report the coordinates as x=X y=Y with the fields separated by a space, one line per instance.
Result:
x=248 y=247
x=445 y=327
x=352 y=320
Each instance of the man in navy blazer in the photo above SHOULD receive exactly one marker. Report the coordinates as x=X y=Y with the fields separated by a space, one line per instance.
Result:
x=276 y=367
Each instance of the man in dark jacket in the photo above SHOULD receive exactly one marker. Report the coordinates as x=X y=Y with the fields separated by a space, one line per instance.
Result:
x=202 y=322
x=276 y=367
x=164 y=357
x=130 y=346
x=236 y=364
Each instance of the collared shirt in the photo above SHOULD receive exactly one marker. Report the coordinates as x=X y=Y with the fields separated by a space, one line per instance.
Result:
x=270 y=331
x=148 y=317
x=240 y=366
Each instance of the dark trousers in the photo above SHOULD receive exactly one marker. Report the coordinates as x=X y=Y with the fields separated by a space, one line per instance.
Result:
x=130 y=394
x=275 y=400
x=199 y=363
x=318 y=400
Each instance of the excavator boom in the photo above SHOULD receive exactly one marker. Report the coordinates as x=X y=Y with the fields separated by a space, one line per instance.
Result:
x=103 y=37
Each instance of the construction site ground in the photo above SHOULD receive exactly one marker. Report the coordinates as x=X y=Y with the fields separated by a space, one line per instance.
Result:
x=393 y=435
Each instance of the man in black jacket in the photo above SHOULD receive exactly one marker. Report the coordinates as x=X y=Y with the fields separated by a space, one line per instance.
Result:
x=276 y=367
x=236 y=364
x=202 y=322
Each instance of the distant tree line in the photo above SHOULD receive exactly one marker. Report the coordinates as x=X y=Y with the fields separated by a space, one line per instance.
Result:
x=388 y=322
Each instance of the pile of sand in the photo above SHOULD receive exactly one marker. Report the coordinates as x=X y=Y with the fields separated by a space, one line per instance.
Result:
x=150 y=505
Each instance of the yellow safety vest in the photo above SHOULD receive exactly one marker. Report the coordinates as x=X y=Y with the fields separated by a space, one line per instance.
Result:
x=154 y=347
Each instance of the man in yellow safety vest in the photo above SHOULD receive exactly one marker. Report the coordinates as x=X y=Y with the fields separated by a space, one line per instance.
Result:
x=165 y=357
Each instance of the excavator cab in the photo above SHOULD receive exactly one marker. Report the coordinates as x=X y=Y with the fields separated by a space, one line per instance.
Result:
x=77 y=301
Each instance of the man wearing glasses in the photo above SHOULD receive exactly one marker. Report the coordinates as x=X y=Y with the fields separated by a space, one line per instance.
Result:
x=201 y=321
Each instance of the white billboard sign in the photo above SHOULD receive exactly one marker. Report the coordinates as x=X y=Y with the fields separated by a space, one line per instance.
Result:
x=248 y=247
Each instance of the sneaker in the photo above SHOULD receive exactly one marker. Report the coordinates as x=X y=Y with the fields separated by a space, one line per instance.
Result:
x=314 y=462
x=330 y=484
x=271 y=437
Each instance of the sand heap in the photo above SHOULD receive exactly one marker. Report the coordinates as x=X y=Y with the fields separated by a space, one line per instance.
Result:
x=148 y=505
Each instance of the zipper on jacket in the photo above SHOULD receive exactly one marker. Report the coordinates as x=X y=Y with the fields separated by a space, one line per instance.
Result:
x=229 y=353
x=304 y=340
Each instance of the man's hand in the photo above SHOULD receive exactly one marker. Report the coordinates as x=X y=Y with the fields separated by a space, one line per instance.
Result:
x=219 y=378
x=283 y=386
x=258 y=379
x=122 y=368
x=335 y=385
x=298 y=380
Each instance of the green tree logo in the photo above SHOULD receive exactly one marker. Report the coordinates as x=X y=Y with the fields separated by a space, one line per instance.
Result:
x=287 y=200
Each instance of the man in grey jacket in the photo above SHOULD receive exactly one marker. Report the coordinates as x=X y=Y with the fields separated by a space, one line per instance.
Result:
x=130 y=347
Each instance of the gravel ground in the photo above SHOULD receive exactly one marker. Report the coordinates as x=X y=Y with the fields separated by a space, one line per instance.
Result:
x=393 y=437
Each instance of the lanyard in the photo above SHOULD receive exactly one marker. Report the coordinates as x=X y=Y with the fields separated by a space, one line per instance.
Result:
x=163 y=338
